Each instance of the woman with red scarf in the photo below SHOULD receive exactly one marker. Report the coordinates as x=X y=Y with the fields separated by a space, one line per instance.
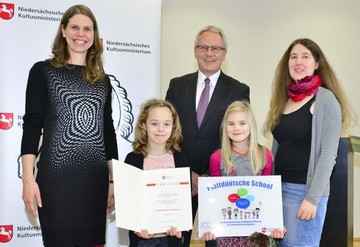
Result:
x=307 y=111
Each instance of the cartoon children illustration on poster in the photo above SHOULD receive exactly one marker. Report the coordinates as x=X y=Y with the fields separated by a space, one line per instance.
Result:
x=242 y=201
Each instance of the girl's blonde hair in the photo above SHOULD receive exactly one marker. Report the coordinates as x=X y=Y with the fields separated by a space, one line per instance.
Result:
x=256 y=151
x=141 y=141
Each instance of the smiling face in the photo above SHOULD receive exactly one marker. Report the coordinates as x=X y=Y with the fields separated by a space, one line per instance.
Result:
x=79 y=35
x=238 y=129
x=209 y=62
x=159 y=125
x=301 y=62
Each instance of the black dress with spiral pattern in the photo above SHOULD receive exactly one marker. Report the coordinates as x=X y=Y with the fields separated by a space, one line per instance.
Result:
x=78 y=138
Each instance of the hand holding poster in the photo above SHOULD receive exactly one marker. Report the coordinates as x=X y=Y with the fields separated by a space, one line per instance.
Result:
x=239 y=206
x=153 y=199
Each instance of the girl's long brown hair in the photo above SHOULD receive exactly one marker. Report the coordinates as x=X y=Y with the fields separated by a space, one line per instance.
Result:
x=141 y=140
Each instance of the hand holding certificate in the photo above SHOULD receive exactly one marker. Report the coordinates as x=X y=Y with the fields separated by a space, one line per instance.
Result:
x=154 y=199
x=239 y=206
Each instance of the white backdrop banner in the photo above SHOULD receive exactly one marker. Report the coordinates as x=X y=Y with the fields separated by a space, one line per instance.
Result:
x=130 y=30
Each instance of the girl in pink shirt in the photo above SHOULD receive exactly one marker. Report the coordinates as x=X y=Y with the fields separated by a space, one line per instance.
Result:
x=240 y=155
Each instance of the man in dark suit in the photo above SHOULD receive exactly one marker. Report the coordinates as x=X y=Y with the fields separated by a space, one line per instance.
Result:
x=203 y=138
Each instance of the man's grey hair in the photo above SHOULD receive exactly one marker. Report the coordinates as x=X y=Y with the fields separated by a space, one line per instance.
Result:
x=214 y=29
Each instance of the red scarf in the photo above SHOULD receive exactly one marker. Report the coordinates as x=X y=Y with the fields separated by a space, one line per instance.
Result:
x=304 y=87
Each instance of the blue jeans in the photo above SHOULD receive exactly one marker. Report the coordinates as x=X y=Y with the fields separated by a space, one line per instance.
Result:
x=301 y=233
x=154 y=242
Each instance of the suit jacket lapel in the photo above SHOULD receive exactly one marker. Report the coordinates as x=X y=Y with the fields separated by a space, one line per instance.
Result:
x=190 y=92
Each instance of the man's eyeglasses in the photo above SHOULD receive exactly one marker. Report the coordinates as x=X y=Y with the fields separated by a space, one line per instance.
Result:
x=214 y=49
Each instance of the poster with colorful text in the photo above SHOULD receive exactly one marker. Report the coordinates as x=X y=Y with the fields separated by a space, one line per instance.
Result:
x=239 y=206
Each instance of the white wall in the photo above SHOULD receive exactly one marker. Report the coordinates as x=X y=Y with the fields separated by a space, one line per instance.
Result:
x=258 y=33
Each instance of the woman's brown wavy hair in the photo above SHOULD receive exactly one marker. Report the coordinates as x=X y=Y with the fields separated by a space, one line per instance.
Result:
x=94 y=71
x=282 y=80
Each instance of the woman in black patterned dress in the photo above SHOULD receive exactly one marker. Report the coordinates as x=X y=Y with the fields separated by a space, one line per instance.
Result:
x=68 y=102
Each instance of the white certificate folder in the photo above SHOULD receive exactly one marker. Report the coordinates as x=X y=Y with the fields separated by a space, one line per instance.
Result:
x=154 y=199
x=239 y=206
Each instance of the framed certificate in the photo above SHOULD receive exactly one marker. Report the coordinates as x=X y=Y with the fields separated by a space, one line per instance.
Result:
x=239 y=206
x=154 y=199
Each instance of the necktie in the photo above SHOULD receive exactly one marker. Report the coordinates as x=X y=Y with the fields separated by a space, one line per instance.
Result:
x=203 y=102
